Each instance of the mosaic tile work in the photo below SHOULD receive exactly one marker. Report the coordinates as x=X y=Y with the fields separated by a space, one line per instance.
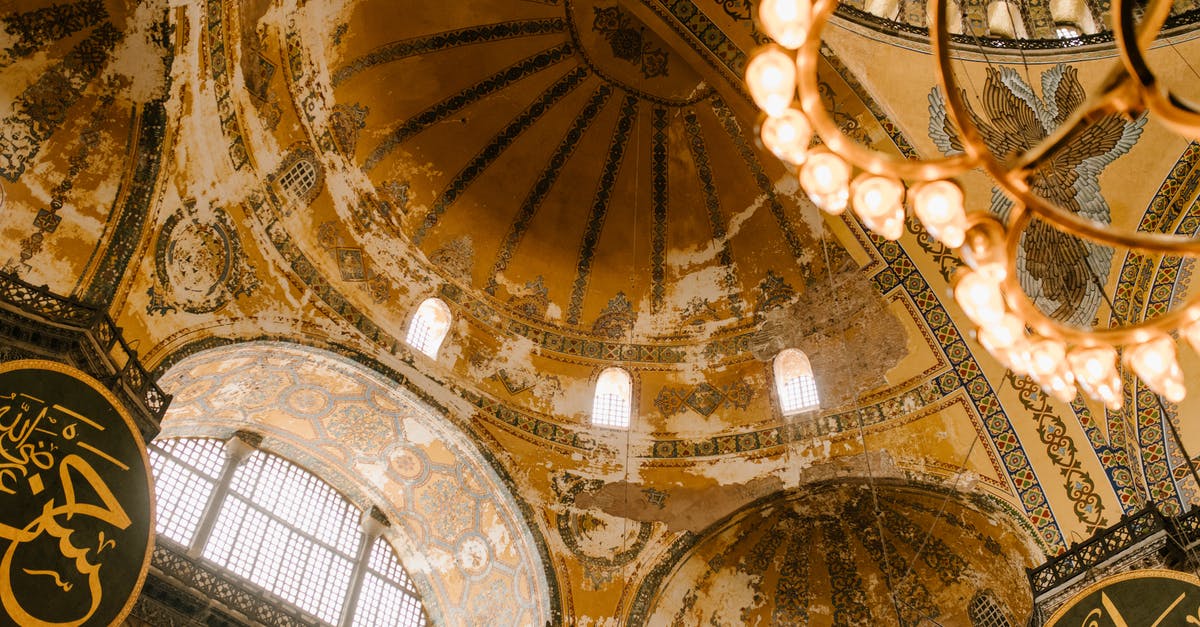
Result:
x=445 y=40
x=712 y=205
x=537 y=193
x=809 y=553
x=468 y=96
x=1055 y=269
x=704 y=398
x=457 y=527
x=660 y=195
x=43 y=106
x=628 y=41
x=1062 y=452
x=496 y=146
x=600 y=200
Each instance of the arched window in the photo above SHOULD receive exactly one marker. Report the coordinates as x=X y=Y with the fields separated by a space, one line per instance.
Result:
x=614 y=397
x=429 y=326
x=794 y=382
x=299 y=180
x=986 y=612
x=276 y=525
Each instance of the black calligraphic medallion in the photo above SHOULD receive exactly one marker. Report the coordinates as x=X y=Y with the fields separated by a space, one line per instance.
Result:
x=1139 y=598
x=76 y=508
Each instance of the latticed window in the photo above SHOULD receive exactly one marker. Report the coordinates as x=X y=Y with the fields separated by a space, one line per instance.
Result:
x=429 y=327
x=613 y=400
x=185 y=471
x=986 y=612
x=299 y=180
x=276 y=525
x=1066 y=31
x=795 y=383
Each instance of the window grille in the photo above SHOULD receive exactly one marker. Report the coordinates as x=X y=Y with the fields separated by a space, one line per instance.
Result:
x=795 y=383
x=387 y=597
x=1067 y=31
x=986 y=612
x=614 y=396
x=299 y=179
x=186 y=471
x=429 y=327
x=282 y=528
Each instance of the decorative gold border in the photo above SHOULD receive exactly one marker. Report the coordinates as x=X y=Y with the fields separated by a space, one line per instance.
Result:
x=83 y=377
x=1146 y=573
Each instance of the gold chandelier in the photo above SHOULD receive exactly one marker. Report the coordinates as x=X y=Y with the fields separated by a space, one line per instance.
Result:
x=1059 y=357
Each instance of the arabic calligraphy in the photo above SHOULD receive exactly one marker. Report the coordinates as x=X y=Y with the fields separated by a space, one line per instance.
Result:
x=1144 y=598
x=74 y=500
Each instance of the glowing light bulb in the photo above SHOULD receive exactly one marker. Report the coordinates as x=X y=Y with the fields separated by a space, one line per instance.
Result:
x=889 y=227
x=1095 y=369
x=771 y=78
x=787 y=136
x=825 y=178
x=786 y=21
x=1155 y=362
x=1045 y=357
x=939 y=206
x=1003 y=335
x=876 y=196
x=980 y=298
x=1191 y=332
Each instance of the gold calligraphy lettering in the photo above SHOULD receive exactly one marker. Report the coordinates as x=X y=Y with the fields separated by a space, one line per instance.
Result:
x=54 y=521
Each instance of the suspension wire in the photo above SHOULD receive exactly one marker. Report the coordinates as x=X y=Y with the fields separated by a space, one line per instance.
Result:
x=1020 y=49
x=887 y=567
x=637 y=177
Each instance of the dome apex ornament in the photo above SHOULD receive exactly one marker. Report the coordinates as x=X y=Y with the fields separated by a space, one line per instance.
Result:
x=1057 y=350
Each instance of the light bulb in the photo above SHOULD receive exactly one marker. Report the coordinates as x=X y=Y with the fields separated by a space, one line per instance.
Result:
x=1045 y=358
x=1003 y=335
x=1061 y=383
x=980 y=298
x=1095 y=369
x=787 y=136
x=939 y=206
x=1191 y=332
x=890 y=227
x=983 y=248
x=876 y=196
x=786 y=21
x=771 y=78
x=1155 y=362
x=825 y=178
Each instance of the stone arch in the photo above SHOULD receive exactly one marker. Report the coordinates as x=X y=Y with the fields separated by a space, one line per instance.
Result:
x=469 y=544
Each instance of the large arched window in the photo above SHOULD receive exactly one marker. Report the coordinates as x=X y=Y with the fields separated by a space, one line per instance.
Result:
x=280 y=527
x=794 y=382
x=614 y=398
x=429 y=326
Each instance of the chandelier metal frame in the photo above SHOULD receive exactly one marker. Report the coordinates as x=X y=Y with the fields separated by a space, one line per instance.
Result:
x=1058 y=356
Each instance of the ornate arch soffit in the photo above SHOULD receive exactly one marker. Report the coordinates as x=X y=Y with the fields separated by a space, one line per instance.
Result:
x=472 y=546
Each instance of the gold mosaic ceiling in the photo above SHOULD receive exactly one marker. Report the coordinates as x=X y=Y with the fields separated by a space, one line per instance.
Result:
x=567 y=161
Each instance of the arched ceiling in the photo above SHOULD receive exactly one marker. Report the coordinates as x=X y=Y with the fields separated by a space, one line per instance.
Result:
x=567 y=163
x=579 y=181
x=845 y=554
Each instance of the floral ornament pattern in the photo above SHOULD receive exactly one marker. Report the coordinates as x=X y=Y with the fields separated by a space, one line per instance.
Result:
x=628 y=41
x=1059 y=272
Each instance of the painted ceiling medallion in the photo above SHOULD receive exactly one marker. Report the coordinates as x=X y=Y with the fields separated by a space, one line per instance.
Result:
x=199 y=265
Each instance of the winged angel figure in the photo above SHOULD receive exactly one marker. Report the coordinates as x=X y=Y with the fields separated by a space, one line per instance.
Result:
x=1049 y=262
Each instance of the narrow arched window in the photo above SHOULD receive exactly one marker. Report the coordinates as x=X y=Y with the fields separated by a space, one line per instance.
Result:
x=614 y=398
x=986 y=612
x=794 y=382
x=269 y=522
x=429 y=326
